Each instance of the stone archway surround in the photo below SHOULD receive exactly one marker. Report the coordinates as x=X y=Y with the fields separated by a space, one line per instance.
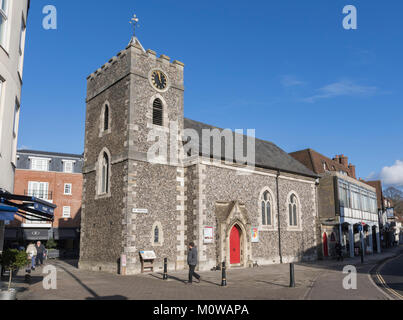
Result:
x=234 y=215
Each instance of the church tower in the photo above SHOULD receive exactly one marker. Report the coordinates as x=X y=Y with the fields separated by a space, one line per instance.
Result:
x=129 y=203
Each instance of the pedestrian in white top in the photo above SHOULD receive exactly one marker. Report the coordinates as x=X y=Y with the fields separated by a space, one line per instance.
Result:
x=31 y=250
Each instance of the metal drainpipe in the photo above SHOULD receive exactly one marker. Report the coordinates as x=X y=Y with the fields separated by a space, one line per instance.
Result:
x=278 y=218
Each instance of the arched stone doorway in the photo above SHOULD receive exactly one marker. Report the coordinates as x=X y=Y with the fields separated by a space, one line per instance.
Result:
x=234 y=235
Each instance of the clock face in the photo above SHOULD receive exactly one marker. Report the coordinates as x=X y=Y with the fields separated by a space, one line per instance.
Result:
x=159 y=79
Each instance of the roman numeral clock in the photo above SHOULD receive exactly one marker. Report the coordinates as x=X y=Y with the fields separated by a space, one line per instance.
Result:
x=159 y=80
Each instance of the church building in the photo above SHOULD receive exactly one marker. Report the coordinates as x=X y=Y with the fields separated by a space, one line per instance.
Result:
x=263 y=213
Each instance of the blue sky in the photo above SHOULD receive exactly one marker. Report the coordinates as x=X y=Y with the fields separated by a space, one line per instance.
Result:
x=286 y=68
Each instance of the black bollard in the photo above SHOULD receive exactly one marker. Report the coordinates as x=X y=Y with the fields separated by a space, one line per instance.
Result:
x=165 y=277
x=224 y=276
x=292 y=276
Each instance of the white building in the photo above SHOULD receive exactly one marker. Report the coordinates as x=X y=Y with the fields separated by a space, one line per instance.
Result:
x=13 y=18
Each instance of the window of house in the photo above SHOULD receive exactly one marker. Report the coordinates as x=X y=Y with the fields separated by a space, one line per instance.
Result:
x=105 y=174
x=22 y=45
x=293 y=211
x=38 y=190
x=157 y=112
x=266 y=213
x=3 y=22
x=344 y=195
x=66 y=212
x=68 y=166
x=16 y=118
x=39 y=164
x=67 y=188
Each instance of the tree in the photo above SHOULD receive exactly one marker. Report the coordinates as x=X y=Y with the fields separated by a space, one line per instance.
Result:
x=396 y=196
x=51 y=244
x=13 y=259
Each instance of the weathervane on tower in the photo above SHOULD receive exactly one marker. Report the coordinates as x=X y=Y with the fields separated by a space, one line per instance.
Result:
x=134 y=41
x=134 y=22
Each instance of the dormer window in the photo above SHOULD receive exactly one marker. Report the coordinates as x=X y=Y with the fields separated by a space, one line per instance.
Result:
x=39 y=164
x=68 y=166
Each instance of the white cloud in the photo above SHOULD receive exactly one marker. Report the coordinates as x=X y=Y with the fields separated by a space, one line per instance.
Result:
x=393 y=175
x=291 y=81
x=342 y=88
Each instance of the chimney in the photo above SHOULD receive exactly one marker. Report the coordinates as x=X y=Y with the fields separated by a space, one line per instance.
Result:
x=344 y=160
x=352 y=171
x=336 y=158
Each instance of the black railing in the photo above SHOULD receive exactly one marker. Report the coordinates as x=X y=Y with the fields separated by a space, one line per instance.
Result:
x=39 y=194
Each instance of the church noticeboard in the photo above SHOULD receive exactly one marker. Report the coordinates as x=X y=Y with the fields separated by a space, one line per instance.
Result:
x=148 y=255
x=255 y=235
x=208 y=235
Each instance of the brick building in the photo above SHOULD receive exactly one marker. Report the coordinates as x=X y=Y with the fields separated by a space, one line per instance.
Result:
x=348 y=211
x=55 y=178
x=236 y=213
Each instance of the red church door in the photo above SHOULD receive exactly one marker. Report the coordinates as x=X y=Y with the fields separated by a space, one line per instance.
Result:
x=235 y=245
x=325 y=247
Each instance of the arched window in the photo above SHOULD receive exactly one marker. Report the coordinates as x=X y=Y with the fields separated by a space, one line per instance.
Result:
x=156 y=235
x=106 y=117
x=266 y=209
x=105 y=174
x=157 y=112
x=293 y=211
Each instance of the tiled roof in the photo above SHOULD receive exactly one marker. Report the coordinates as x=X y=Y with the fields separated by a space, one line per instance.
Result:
x=315 y=161
x=268 y=155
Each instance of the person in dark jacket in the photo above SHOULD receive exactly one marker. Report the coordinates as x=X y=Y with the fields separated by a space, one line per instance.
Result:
x=192 y=262
x=41 y=252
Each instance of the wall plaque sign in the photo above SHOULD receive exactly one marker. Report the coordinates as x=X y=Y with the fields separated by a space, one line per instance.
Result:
x=140 y=211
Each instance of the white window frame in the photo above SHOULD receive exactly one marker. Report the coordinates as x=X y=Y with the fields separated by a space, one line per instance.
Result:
x=2 y=84
x=38 y=168
x=37 y=188
x=4 y=16
x=71 y=162
x=66 y=209
x=70 y=188
x=16 y=118
x=21 y=46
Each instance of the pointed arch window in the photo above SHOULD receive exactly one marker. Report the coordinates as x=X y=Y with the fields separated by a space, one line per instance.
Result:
x=106 y=117
x=293 y=211
x=105 y=174
x=156 y=235
x=266 y=209
x=157 y=112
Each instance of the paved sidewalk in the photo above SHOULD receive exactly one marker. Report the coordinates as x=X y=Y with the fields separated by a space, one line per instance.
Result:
x=262 y=283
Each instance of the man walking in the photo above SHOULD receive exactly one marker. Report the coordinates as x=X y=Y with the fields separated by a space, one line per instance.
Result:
x=192 y=262
x=40 y=249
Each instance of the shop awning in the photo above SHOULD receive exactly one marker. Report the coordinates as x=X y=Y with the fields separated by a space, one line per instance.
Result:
x=7 y=213
x=30 y=208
